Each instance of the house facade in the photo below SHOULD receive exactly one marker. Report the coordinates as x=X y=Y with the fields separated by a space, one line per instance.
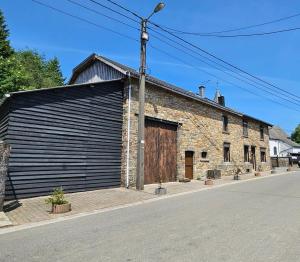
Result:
x=185 y=134
x=281 y=145
x=84 y=136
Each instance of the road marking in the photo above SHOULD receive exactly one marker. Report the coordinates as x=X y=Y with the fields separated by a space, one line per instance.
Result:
x=104 y=210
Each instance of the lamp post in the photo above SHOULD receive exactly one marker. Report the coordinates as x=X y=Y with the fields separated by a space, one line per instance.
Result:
x=141 y=117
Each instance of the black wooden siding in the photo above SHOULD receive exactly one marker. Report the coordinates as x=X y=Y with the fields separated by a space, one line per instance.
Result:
x=4 y=113
x=69 y=137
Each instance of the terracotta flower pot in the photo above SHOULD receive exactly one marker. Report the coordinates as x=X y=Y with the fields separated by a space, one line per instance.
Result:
x=208 y=182
x=257 y=174
x=58 y=209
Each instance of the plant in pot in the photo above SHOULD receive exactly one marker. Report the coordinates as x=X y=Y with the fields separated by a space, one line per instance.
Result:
x=258 y=172
x=58 y=201
x=236 y=176
x=160 y=190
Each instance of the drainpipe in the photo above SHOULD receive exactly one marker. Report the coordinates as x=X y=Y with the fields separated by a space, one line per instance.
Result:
x=128 y=131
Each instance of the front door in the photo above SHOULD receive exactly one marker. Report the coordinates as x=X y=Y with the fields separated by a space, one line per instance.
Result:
x=253 y=157
x=189 y=164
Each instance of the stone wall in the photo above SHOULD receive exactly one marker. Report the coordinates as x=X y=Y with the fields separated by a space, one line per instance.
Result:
x=4 y=153
x=200 y=130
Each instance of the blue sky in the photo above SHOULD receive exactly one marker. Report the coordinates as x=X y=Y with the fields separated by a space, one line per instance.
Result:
x=274 y=58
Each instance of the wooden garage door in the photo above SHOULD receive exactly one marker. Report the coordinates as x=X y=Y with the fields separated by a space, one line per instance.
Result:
x=160 y=152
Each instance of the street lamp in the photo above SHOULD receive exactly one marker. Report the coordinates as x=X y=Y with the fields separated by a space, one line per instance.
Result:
x=141 y=118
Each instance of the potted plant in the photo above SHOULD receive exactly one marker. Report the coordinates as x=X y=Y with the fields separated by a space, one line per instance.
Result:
x=258 y=173
x=58 y=202
x=160 y=190
x=237 y=174
x=208 y=182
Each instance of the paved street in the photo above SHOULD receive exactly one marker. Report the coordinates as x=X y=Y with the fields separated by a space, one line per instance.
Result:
x=254 y=221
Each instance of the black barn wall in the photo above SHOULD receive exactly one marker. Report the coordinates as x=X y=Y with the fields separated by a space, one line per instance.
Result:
x=69 y=137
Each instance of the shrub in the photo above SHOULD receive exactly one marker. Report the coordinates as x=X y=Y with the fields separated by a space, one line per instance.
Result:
x=57 y=197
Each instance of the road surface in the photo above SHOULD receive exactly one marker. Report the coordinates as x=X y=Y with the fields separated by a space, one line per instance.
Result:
x=252 y=221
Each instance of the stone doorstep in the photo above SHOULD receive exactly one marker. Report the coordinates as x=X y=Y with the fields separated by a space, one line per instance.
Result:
x=4 y=220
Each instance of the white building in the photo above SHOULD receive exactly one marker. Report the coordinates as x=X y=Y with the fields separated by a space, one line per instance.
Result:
x=280 y=143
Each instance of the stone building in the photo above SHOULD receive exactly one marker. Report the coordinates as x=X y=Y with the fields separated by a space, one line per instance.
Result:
x=186 y=134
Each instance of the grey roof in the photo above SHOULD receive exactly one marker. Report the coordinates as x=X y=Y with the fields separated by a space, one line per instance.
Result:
x=276 y=133
x=152 y=80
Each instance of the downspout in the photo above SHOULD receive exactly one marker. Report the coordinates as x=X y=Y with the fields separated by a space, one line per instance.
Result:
x=128 y=130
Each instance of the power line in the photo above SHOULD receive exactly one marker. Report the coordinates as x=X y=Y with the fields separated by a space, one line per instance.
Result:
x=234 y=29
x=266 y=91
x=259 y=87
x=248 y=35
x=101 y=14
x=112 y=10
x=126 y=36
x=217 y=77
x=84 y=20
x=133 y=13
x=125 y=9
x=222 y=60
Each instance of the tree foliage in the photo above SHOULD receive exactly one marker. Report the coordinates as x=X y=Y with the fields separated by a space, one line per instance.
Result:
x=296 y=134
x=25 y=69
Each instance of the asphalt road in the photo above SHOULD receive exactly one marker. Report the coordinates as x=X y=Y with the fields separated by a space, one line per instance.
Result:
x=253 y=221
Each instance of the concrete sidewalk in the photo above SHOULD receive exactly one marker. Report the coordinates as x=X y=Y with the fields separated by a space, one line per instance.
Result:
x=35 y=210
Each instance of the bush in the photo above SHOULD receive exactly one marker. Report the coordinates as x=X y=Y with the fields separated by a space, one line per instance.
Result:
x=57 y=197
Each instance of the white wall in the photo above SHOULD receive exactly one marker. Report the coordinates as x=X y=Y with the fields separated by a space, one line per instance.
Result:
x=283 y=149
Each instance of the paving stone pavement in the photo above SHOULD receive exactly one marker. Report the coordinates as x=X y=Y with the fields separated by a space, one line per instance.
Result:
x=36 y=210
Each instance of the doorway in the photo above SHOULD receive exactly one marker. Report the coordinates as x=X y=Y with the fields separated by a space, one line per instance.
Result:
x=189 y=164
x=253 y=157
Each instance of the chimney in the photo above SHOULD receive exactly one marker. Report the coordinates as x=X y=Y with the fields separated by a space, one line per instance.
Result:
x=202 y=91
x=221 y=100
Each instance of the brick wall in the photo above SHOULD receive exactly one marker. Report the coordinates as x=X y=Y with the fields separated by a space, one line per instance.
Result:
x=201 y=130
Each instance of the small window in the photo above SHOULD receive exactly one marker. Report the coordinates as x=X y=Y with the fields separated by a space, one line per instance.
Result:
x=204 y=154
x=226 y=149
x=263 y=157
x=245 y=128
x=275 y=150
x=261 y=131
x=225 y=123
x=246 y=154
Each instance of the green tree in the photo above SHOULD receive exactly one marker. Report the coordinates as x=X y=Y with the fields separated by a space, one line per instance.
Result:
x=5 y=48
x=296 y=134
x=25 y=69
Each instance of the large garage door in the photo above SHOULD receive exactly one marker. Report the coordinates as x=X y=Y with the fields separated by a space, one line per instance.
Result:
x=160 y=151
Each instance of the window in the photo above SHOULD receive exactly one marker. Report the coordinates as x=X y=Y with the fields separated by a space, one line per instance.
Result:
x=261 y=131
x=263 y=155
x=246 y=154
x=245 y=128
x=204 y=154
x=275 y=151
x=226 y=149
x=225 y=123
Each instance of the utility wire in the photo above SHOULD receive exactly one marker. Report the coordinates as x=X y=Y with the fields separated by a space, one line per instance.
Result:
x=125 y=9
x=266 y=91
x=133 y=13
x=84 y=20
x=202 y=50
x=281 y=94
x=217 y=77
x=113 y=10
x=234 y=29
x=131 y=38
x=222 y=60
x=101 y=14
x=247 y=35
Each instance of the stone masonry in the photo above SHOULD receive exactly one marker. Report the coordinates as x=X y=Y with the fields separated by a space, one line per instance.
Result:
x=200 y=130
